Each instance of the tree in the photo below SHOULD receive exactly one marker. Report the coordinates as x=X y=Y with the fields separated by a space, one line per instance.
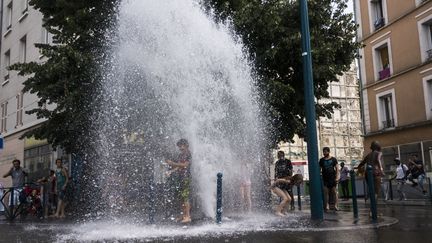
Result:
x=270 y=31
x=70 y=73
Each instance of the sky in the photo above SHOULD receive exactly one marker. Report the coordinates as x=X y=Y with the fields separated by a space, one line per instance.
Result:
x=350 y=6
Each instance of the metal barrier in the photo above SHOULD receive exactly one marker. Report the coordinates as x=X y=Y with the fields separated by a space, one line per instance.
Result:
x=390 y=189
x=17 y=204
x=430 y=188
x=389 y=195
x=299 y=198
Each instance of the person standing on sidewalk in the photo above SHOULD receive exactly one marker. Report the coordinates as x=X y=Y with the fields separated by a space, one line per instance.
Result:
x=329 y=171
x=343 y=181
x=62 y=180
x=374 y=159
x=18 y=179
x=401 y=172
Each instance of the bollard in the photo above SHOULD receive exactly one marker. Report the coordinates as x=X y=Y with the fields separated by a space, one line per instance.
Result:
x=44 y=204
x=390 y=187
x=354 y=193
x=12 y=201
x=430 y=188
x=219 y=198
x=370 y=181
x=298 y=198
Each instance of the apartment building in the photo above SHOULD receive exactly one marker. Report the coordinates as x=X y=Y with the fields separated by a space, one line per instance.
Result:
x=396 y=76
x=20 y=28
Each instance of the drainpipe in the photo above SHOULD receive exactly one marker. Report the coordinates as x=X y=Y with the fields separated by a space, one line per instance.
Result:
x=360 y=75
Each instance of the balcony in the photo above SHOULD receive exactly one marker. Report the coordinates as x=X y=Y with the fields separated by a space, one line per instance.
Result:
x=379 y=22
x=385 y=73
x=389 y=123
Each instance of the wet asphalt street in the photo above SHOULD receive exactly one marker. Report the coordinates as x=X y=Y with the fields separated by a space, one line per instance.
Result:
x=396 y=224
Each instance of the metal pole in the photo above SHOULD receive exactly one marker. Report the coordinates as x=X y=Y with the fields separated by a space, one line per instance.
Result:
x=430 y=188
x=311 y=130
x=299 y=198
x=219 y=199
x=354 y=193
x=390 y=189
x=12 y=199
x=372 y=198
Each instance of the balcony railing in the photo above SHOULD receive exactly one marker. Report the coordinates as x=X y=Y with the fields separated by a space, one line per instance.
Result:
x=379 y=22
x=385 y=73
x=388 y=123
x=429 y=54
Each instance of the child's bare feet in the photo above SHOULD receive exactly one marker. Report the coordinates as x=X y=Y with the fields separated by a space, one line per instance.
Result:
x=186 y=220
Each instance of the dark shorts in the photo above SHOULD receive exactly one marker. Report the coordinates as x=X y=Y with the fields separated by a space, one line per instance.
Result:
x=61 y=195
x=329 y=182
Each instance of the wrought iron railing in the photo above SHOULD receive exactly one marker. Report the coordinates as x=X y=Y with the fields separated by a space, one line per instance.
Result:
x=15 y=203
x=389 y=123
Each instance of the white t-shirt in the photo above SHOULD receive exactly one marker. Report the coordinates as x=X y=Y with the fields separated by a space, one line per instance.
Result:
x=400 y=172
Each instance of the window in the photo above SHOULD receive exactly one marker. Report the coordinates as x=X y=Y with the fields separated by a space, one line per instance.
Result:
x=419 y=2
x=382 y=60
x=45 y=36
x=383 y=63
x=386 y=109
x=24 y=9
x=24 y=6
x=3 y=117
x=23 y=49
x=8 y=16
x=425 y=37
x=377 y=10
x=427 y=89
x=386 y=103
x=38 y=161
x=19 y=115
x=7 y=64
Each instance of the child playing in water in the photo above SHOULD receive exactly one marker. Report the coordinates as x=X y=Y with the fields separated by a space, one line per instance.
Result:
x=279 y=188
x=245 y=187
x=181 y=166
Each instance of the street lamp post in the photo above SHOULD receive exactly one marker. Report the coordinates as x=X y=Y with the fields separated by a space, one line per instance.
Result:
x=311 y=132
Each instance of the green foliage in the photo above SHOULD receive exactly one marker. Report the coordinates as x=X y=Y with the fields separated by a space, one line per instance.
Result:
x=270 y=30
x=70 y=72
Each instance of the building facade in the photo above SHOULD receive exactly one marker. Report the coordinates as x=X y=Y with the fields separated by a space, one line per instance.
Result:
x=21 y=27
x=342 y=133
x=396 y=76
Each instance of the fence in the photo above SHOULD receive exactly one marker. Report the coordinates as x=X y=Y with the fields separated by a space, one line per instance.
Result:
x=21 y=201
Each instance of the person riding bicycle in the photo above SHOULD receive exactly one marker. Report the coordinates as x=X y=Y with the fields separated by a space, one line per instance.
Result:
x=18 y=178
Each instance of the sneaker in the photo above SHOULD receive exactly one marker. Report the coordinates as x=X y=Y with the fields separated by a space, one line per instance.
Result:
x=414 y=184
x=425 y=194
